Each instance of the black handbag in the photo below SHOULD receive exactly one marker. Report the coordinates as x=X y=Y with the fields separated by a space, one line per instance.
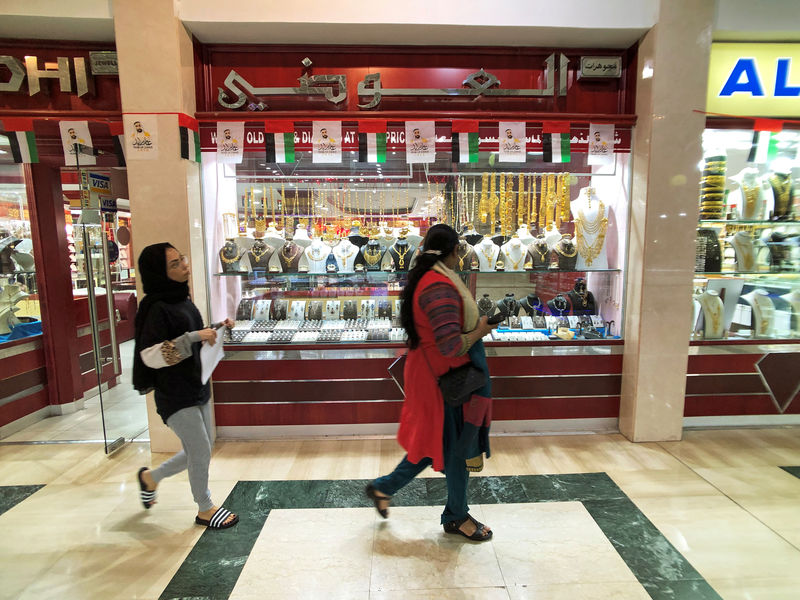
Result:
x=457 y=385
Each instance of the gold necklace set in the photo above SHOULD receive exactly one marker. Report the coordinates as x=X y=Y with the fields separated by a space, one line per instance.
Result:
x=259 y=251
x=751 y=195
x=372 y=257
x=597 y=226
x=565 y=247
x=228 y=260
x=487 y=251
x=289 y=258
x=783 y=189
x=401 y=256
x=515 y=264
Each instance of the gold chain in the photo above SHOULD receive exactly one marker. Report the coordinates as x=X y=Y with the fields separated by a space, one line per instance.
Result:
x=599 y=226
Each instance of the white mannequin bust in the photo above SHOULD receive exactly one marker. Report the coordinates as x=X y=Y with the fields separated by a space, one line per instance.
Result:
x=763 y=312
x=487 y=252
x=301 y=237
x=591 y=228
x=742 y=243
x=781 y=166
x=793 y=299
x=514 y=254
x=316 y=254
x=273 y=237
x=524 y=234
x=713 y=315
x=749 y=197
x=345 y=253
x=552 y=236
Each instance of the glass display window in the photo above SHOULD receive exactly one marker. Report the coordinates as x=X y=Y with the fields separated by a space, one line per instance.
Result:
x=747 y=265
x=309 y=252
x=20 y=314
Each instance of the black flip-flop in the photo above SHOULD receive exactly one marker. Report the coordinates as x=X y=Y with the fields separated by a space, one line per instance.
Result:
x=453 y=527
x=148 y=497
x=217 y=520
x=370 y=491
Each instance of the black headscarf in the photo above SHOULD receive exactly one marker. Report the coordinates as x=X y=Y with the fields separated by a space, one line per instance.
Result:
x=157 y=288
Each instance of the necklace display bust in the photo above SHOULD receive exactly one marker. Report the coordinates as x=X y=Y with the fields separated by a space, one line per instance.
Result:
x=566 y=253
x=524 y=234
x=581 y=299
x=748 y=197
x=540 y=253
x=780 y=182
x=259 y=256
x=400 y=255
x=355 y=235
x=559 y=306
x=486 y=306
x=508 y=306
x=289 y=256
x=515 y=254
x=301 y=237
x=317 y=255
x=487 y=252
x=590 y=214
x=230 y=255
x=763 y=311
x=532 y=305
x=466 y=257
x=273 y=237
x=793 y=300
x=345 y=253
x=744 y=249
x=713 y=315
x=372 y=254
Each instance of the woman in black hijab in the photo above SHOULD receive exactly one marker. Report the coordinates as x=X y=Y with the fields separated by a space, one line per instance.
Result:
x=166 y=360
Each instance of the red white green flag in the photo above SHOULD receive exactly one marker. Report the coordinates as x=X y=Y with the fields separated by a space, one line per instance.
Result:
x=372 y=141
x=465 y=141
x=22 y=140
x=556 y=141
x=279 y=141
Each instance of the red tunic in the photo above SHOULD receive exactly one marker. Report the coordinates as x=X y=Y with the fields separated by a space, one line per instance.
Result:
x=422 y=418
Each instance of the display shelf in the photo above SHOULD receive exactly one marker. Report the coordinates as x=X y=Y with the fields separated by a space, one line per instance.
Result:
x=741 y=222
x=738 y=273
x=383 y=275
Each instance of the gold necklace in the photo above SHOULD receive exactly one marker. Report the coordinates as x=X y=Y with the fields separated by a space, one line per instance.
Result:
x=559 y=249
x=751 y=194
x=461 y=260
x=782 y=192
x=401 y=257
x=315 y=253
x=372 y=258
x=227 y=259
x=344 y=256
x=258 y=252
x=598 y=226
x=714 y=313
x=288 y=258
x=487 y=251
x=514 y=264
x=542 y=255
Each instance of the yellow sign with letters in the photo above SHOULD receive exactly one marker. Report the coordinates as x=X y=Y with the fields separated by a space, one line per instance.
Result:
x=759 y=80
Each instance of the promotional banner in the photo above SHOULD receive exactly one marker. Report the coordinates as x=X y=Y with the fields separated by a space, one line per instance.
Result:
x=420 y=141
x=555 y=141
x=327 y=141
x=511 y=141
x=72 y=133
x=372 y=141
x=230 y=141
x=465 y=141
x=141 y=137
x=601 y=144
x=279 y=141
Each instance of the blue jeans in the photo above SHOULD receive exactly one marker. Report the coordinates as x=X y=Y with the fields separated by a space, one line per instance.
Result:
x=455 y=472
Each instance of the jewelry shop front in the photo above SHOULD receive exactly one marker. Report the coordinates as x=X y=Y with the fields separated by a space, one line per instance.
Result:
x=317 y=197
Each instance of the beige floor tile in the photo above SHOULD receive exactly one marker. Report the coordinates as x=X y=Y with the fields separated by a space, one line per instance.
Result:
x=412 y=552
x=757 y=589
x=20 y=568
x=549 y=544
x=306 y=553
x=478 y=593
x=680 y=481
x=579 y=591
x=719 y=537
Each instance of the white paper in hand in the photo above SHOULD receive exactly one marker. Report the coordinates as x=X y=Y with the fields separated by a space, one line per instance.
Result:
x=211 y=355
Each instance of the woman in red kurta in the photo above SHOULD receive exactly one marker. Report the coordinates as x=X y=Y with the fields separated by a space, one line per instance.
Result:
x=444 y=331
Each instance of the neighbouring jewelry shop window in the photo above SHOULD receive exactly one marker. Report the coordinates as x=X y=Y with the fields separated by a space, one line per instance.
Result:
x=318 y=253
x=747 y=283
x=19 y=301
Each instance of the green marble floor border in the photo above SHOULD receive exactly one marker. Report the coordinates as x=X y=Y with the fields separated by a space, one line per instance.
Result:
x=11 y=495
x=792 y=471
x=212 y=568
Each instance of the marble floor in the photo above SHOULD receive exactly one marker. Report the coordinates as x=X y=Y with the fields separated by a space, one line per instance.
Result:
x=716 y=515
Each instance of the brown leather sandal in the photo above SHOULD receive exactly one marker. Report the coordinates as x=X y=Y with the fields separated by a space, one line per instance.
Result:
x=480 y=534
x=371 y=493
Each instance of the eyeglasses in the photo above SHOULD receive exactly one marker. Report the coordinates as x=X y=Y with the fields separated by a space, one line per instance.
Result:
x=174 y=264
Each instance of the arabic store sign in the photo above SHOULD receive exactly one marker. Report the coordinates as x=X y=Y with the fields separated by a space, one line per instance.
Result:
x=754 y=80
x=395 y=137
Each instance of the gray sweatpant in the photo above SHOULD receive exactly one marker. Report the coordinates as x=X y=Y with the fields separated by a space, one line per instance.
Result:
x=193 y=426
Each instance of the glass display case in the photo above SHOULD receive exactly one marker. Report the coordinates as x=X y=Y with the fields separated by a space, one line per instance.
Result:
x=747 y=283
x=309 y=253
x=19 y=305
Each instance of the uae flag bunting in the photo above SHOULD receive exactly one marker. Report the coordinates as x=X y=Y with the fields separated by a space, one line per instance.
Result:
x=279 y=141
x=764 y=147
x=21 y=139
x=372 y=141
x=117 y=131
x=465 y=141
x=190 y=137
x=555 y=141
